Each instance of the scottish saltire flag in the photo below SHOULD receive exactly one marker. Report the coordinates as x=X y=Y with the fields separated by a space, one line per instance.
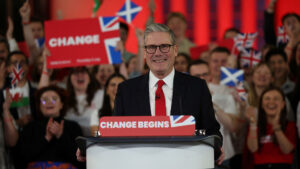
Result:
x=240 y=88
x=231 y=77
x=133 y=12
x=108 y=25
x=177 y=121
x=282 y=37
x=16 y=75
x=129 y=11
x=244 y=40
x=250 y=58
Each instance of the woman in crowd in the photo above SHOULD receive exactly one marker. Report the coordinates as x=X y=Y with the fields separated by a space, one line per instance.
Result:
x=182 y=62
x=101 y=73
x=85 y=99
x=261 y=79
x=272 y=138
x=49 y=141
x=108 y=105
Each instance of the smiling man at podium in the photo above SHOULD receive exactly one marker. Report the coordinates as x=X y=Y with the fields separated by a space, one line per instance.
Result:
x=164 y=91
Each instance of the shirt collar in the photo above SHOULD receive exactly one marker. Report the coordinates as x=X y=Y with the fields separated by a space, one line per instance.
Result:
x=168 y=79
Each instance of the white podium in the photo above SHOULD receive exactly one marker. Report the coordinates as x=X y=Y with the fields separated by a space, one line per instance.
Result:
x=195 y=152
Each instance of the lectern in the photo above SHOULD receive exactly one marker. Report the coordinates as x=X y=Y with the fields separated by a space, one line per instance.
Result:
x=180 y=152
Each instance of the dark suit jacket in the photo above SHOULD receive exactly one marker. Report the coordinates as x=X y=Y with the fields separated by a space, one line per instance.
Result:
x=190 y=97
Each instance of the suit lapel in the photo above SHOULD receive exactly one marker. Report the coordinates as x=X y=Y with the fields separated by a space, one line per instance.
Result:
x=143 y=96
x=178 y=91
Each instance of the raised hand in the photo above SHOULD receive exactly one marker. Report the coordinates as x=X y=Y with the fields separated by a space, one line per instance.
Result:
x=140 y=35
x=7 y=102
x=56 y=129
x=25 y=12
x=250 y=114
x=10 y=29
x=49 y=135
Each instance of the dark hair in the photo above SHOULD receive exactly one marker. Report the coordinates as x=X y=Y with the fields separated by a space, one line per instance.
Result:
x=262 y=118
x=233 y=29
x=175 y=15
x=276 y=51
x=106 y=109
x=3 y=40
x=128 y=61
x=124 y=26
x=90 y=91
x=61 y=93
x=290 y=15
x=37 y=19
x=197 y=62
x=16 y=53
x=220 y=50
x=293 y=64
x=185 y=55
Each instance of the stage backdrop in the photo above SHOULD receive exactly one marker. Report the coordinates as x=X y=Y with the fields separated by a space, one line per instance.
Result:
x=207 y=19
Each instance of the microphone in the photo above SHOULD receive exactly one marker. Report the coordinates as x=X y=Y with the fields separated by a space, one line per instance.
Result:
x=157 y=97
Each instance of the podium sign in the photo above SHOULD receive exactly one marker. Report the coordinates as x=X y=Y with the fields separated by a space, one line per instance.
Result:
x=122 y=126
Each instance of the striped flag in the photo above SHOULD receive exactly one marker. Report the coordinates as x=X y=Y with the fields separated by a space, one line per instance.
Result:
x=240 y=88
x=20 y=96
x=245 y=40
x=282 y=37
x=16 y=75
x=250 y=58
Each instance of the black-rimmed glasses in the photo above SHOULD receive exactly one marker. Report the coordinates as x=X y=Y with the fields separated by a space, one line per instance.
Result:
x=164 y=48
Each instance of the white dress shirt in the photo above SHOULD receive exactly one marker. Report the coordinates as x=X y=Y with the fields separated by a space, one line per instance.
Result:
x=167 y=89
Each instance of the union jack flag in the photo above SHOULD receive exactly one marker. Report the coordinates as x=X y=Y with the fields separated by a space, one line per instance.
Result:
x=241 y=91
x=129 y=11
x=16 y=75
x=231 y=77
x=111 y=25
x=177 y=121
x=250 y=58
x=244 y=40
x=282 y=37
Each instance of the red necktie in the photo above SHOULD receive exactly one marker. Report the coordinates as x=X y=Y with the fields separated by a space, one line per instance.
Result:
x=160 y=103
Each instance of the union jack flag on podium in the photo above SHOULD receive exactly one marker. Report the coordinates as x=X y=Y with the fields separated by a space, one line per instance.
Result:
x=231 y=77
x=177 y=121
x=282 y=37
x=250 y=58
x=244 y=40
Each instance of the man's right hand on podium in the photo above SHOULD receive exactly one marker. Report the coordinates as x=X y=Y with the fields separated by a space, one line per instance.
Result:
x=79 y=156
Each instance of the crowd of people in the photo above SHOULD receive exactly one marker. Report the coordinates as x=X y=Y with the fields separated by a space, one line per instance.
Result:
x=47 y=109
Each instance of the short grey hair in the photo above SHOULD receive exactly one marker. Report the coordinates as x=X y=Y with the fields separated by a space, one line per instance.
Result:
x=157 y=27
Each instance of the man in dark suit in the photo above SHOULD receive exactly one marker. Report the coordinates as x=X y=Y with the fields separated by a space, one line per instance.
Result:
x=163 y=91
x=181 y=93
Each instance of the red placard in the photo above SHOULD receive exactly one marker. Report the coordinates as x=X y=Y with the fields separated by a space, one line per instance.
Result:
x=121 y=126
x=81 y=42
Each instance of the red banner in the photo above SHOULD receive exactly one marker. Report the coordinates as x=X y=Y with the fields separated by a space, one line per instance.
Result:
x=82 y=42
x=146 y=126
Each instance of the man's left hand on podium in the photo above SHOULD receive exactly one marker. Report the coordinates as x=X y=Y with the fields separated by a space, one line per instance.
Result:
x=79 y=156
x=221 y=158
